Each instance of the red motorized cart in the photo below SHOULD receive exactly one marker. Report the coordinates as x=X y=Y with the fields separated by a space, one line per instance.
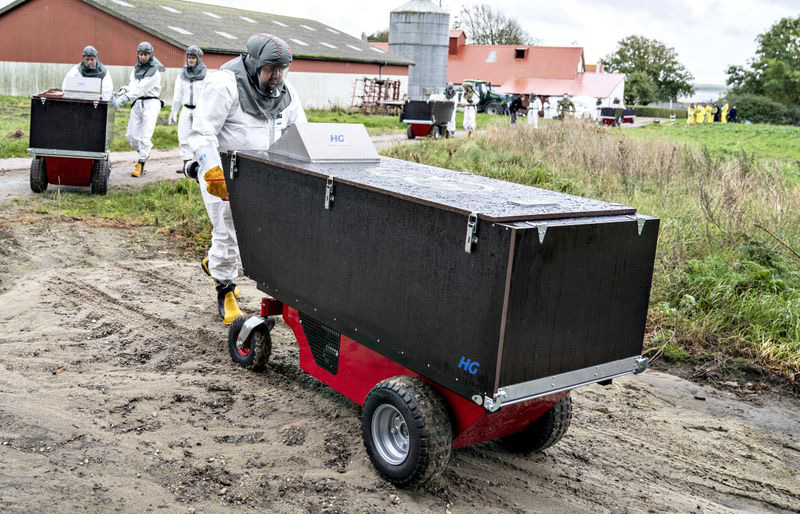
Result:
x=427 y=118
x=453 y=308
x=69 y=142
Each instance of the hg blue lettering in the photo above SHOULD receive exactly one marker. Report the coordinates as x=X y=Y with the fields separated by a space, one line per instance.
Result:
x=469 y=366
x=337 y=138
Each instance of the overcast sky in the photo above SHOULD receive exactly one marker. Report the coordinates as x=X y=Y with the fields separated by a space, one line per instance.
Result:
x=708 y=34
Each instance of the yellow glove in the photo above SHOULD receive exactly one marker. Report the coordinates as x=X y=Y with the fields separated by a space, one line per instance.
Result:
x=211 y=172
x=215 y=182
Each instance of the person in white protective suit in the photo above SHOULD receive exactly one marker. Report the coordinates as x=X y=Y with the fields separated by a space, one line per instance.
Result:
x=470 y=102
x=451 y=95
x=533 y=111
x=144 y=90
x=246 y=105
x=188 y=87
x=91 y=67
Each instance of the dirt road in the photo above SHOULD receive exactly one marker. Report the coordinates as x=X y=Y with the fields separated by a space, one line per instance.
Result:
x=117 y=393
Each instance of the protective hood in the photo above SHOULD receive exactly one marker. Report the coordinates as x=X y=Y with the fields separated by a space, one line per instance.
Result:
x=99 y=70
x=263 y=49
x=450 y=91
x=149 y=69
x=198 y=71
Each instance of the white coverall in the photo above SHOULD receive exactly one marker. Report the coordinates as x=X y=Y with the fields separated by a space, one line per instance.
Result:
x=187 y=94
x=219 y=121
x=533 y=112
x=470 y=113
x=451 y=125
x=144 y=113
x=107 y=84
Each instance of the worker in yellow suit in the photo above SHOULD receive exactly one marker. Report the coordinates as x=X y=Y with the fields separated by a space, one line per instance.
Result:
x=690 y=115
x=700 y=113
x=709 y=113
x=725 y=108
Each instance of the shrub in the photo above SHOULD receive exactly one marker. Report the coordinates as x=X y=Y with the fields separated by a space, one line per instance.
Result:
x=760 y=109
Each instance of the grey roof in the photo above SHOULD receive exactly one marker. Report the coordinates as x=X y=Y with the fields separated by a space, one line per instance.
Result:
x=218 y=29
x=424 y=6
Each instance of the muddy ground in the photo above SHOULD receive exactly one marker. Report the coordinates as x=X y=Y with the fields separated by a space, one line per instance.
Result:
x=117 y=394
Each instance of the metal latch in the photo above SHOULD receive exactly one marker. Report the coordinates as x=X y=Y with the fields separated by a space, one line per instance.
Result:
x=329 y=193
x=95 y=103
x=472 y=232
x=234 y=166
x=43 y=99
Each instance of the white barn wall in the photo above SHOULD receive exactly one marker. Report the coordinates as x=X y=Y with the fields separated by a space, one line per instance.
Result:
x=317 y=90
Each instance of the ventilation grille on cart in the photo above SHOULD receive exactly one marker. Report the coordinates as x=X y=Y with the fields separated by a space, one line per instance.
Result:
x=324 y=343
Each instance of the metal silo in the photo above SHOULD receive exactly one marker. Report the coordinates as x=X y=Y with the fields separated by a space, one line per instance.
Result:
x=420 y=31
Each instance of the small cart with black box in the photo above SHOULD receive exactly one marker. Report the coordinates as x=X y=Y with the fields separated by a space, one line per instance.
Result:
x=69 y=135
x=427 y=118
x=455 y=309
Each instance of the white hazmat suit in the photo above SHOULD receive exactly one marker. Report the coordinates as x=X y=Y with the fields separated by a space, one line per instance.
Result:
x=145 y=94
x=533 y=112
x=470 y=112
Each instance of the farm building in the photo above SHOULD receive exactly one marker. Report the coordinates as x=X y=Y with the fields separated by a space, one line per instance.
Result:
x=41 y=39
x=540 y=70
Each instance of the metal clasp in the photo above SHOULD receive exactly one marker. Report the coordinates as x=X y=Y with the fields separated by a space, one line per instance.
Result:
x=329 y=193
x=43 y=99
x=95 y=103
x=472 y=232
x=234 y=166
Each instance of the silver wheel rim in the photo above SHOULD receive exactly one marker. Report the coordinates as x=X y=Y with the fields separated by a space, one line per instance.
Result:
x=390 y=434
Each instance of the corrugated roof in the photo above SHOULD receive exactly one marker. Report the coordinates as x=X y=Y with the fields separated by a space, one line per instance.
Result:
x=497 y=63
x=596 y=85
x=218 y=29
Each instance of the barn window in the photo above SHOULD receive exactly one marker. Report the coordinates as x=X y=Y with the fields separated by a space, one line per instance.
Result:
x=276 y=22
x=180 y=30
x=357 y=49
x=328 y=44
x=492 y=57
x=248 y=20
x=520 y=53
x=211 y=14
x=299 y=42
x=312 y=29
x=170 y=9
x=225 y=34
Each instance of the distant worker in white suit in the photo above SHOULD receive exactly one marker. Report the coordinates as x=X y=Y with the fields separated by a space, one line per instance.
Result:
x=470 y=103
x=451 y=95
x=144 y=90
x=91 y=67
x=246 y=105
x=188 y=87
x=533 y=111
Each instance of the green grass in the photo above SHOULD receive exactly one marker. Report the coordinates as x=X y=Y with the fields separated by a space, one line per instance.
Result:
x=174 y=207
x=762 y=141
x=15 y=125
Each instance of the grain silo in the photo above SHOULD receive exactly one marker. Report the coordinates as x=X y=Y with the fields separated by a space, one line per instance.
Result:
x=420 y=31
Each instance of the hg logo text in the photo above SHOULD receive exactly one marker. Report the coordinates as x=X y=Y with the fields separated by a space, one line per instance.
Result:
x=469 y=366
x=337 y=138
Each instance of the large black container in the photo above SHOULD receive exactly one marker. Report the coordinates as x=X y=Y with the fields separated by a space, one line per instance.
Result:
x=475 y=283
x=436 y=112
x=68 y=127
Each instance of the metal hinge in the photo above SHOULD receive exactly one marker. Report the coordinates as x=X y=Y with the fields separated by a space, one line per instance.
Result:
x=234 y=165
x=329 y=193
x=472 y=232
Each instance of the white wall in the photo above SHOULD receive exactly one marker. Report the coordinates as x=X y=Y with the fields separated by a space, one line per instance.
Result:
x=317 y=90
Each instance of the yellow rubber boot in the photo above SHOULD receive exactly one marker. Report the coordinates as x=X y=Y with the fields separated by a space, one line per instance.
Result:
x=228 y=307
x=138 y=170
x=207 y=271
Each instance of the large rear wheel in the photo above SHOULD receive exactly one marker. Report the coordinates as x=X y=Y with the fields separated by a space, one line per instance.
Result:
x=410 y=133
x=542 y=433
x=100 y=172
x=407 y=430
x=435 y=132
x=38 y=175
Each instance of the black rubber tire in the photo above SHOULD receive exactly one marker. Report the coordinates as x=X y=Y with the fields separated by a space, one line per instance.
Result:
x=429 y=426
x=259 y=346
x=38 y=175
x=100 y=172
x=542 y=433
x=434 y=133
x=410 y=133
x=492 y=108
x=447 y=134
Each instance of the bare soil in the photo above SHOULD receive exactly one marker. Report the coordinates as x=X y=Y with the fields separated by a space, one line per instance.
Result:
x=117 y=394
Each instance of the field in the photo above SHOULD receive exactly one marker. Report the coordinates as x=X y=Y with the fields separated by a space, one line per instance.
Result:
x=15 y=118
